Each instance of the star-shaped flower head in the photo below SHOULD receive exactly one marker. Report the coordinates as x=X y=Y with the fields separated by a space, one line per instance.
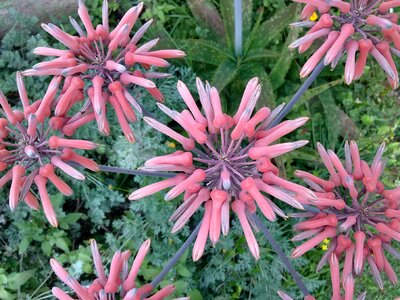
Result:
x=226 y=163
x=118 y=284
x=355 y=27
x=358 y=215
x=31 y=151
x=101 y=65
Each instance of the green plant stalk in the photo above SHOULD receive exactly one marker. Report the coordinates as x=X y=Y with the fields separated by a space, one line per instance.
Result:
x=238 y=28
x=281 y=254
x=135 y=172
x=176 y=257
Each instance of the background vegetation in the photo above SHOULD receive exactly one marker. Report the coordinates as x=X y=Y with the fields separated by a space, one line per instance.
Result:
x=367 y=111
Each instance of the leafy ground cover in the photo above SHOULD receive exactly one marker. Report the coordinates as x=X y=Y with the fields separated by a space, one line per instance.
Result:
x=366 y=111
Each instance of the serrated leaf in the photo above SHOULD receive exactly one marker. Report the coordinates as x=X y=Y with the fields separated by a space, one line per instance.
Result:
x=247 y=13
x=272 y=28
x=332 y=121
x=207 y=16
x=282 y=65
x=300 y=154
x=224 y=74
x=207 y=52
x=260 y=54
x=248 y=39
x=315 y=91
x=16 y=280
x=228 y=17
x=267 y=97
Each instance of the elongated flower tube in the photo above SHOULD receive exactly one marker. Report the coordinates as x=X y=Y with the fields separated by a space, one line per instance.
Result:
x=227 y=162
x=100 y=66
x=361 y=228
x=352 y=27
x=118 y=284
x=32 y=150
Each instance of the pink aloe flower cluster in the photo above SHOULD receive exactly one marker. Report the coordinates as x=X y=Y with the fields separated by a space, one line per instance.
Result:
x=356 y=213
x=119 y=284
x=226 y=163
x=355 y=26
x=100 y=65
x=32 y=149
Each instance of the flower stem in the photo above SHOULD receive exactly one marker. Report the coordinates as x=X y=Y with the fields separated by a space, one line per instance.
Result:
x=281 y=254
x=238 y=27
x=318 y=69
x=135 y=172
x=176 y=257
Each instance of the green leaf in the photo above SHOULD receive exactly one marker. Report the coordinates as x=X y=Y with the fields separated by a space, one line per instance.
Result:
x=56 y=201
x=224 y=74
x=260 y=54
x=69 y=219
x=46 y=247
x=247 y=13
x=315 y=91
x=248 y=39
x=267 y=97
x=272 y=28
x=195 y=295
x=332 y=120
x=184 y=272
x=207 y=52
x=180 y=285
x=6 y=295
x=3 y=279
x=16 y=280
x=228 y=17
x=24 y=244
x=62 y=244
x=206 y=14
x=282 y=66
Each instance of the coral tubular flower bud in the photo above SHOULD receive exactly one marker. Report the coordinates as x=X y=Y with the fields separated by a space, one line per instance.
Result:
x=200 y=243
x=366 y=217
x=118 y=283
x=98 y=56
x=363 y=23
x=224 y=160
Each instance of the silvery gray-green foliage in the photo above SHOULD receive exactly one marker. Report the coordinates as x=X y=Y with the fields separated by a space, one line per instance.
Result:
x=99 y=201
x=149 y=143
x=16 y=54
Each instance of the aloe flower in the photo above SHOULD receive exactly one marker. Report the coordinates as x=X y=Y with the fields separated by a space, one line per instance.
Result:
x=356 y=213
x=31 y=151
x=101 y=65
x=226 y=162
x=366 y=27
x=118 y=284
